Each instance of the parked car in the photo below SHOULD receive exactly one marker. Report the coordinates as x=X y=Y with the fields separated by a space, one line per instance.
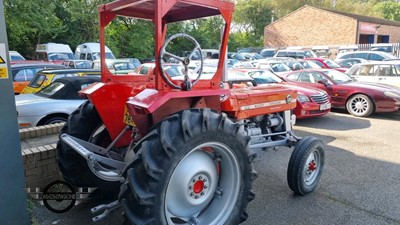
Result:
x=327 y=63
x=347 y=63
x=322 y=51
x=308 y=64
x=296 y=54
x=116 y=66
x=278 y=67
x=253 y=56
x=382 y=47
x=135 y=61
x=172 y=69
x=238 y=56
x=15 y=56
x=268 y=52
x=368 y=55
x=77 y=64
x=249 y=50
x=45 y=77
x=385 y=72
x=24 y=72
x=359 y=98
x=53 y=103
x=311 y=102
x=347 y=48
x=294 y=65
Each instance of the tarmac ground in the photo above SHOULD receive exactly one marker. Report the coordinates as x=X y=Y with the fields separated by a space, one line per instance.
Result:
x=360 y=183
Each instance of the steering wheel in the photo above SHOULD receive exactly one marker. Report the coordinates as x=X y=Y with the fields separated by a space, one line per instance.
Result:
x=186 y=84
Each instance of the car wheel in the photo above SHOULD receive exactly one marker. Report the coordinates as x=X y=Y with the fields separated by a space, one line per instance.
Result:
x=55 y=120
x=360 y=105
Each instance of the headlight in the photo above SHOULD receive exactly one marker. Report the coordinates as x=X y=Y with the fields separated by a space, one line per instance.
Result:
x=391 y=94
x=303 y=98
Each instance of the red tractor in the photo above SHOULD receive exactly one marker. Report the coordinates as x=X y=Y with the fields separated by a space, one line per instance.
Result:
x=179 y=150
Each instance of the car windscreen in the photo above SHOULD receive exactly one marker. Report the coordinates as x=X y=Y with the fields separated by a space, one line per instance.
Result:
x=83 y=65
x=338 y=77
x=60 y=56
x=265 y=77
x=309 y=64
x=51 y=89
x=174 y=70
x=109 y=55
x=123 y=66
x=37 y=81
x=16 y=57
x=279 y=67
x=331 y=63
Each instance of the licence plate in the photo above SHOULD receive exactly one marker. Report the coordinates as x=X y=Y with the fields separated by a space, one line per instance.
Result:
x=128 y=118
x=325 y=106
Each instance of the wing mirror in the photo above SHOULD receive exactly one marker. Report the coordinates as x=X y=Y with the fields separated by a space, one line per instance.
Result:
x=323 y=82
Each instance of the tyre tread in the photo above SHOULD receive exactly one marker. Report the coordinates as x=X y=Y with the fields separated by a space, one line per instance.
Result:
x=158 y=150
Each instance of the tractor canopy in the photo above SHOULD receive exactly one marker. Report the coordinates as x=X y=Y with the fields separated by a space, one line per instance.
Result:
x=162 y=12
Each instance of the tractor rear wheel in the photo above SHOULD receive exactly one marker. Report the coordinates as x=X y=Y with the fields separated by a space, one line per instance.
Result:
x=85 y=124
x=306 y=165
x=194 y=167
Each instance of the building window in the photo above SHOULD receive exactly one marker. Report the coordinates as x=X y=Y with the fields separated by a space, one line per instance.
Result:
x=383 y=39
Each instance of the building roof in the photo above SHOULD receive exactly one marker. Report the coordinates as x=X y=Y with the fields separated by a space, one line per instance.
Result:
x=357 y=17
x=367 y=19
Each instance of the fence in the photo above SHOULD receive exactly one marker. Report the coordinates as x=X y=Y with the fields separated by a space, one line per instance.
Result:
x=387 y=47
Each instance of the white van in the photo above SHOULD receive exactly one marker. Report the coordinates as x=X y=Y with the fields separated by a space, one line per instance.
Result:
x=91 y=51
x=53 y=52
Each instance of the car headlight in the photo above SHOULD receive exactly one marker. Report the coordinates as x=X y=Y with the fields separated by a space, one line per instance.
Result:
x=391 y=94
x=303 y=98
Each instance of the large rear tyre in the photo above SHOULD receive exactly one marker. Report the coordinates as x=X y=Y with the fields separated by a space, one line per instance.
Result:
x=85 y=124
x=194 y=167
x=306 y=165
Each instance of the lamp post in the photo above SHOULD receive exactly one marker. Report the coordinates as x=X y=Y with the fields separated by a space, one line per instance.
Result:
x=13 y=206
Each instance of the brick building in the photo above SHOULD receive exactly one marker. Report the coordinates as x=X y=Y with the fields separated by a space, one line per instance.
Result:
x=311 y=26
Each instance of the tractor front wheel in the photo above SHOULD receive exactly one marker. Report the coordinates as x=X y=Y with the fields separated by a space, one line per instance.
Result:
x=306 y=165
x=194 y=167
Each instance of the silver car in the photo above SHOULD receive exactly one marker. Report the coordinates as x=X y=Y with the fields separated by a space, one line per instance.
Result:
x=386 y=72
x=52 y=104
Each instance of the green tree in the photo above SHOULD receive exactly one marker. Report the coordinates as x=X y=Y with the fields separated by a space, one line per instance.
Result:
x=388 y=9
x=128 y=37
x=80 y=20
x=250 y=17
x=31 y=22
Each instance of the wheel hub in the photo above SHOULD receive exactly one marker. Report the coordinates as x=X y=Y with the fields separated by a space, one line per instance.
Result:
x=311 y=169
x=311 y=166
x=359 y=105
x=198 y=186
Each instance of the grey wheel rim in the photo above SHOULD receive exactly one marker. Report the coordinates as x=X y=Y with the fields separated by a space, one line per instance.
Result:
x=359 y=105
x=204 y=186
x=312 y=168
x=57 y=121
